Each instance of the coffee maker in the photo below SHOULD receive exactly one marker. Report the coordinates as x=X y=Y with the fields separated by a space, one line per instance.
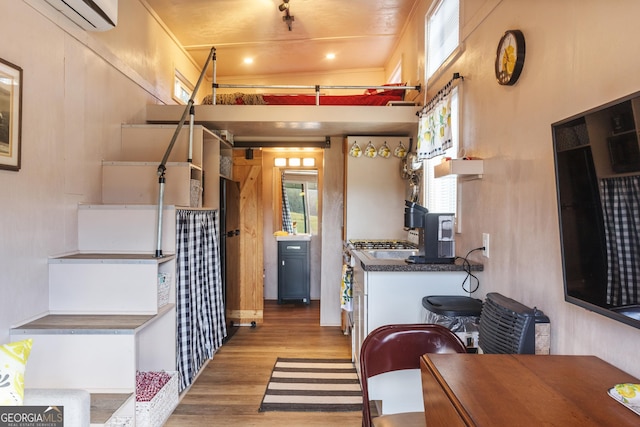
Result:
x=435 y=234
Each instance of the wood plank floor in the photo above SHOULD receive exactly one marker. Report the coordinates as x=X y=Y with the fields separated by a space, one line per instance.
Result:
x=229 y=390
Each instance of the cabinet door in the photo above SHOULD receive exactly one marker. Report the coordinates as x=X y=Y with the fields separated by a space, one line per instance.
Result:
x=293 y=271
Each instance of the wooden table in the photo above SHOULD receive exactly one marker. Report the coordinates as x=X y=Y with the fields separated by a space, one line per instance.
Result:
x=522 y=390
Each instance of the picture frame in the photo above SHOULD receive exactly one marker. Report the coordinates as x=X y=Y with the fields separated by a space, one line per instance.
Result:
x=10 y=115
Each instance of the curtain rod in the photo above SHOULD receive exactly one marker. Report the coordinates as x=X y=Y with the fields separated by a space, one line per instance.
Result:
x=446 y=87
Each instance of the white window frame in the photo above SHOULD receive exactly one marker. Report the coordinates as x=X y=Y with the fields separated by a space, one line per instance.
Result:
x=182 y=88
x=396 y=74
x=440 y=195
x=440 y=45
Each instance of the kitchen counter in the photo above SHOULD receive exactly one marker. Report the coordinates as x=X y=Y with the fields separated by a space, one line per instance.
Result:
x=370 y=263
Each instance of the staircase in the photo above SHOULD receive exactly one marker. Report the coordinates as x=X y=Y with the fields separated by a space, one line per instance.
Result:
x=110 y=315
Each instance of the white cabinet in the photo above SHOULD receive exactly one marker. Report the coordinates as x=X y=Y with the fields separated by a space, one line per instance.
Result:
x=374 y=193
x=395 y=297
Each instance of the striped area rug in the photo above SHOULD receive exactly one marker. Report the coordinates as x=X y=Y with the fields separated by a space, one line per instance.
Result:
x=313 y=385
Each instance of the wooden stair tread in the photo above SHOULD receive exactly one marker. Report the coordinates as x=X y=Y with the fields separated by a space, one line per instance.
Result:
x=104 y=405
x=94 y=323
x=114 y=257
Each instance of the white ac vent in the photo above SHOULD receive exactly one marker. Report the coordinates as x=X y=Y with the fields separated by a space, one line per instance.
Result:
x=91 y=15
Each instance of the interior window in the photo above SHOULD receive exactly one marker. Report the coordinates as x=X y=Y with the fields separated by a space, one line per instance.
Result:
x=442 y=32
x=440 y=194
x=396 y=75
x=442 y=39
x=181 y=88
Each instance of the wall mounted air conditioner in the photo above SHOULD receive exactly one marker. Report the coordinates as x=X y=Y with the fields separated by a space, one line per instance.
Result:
x=91 y=15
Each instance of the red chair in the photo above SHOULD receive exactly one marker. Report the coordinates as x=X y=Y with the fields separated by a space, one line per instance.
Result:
x=397 y=347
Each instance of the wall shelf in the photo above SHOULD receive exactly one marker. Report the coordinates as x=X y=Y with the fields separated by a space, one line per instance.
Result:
x=469 y=169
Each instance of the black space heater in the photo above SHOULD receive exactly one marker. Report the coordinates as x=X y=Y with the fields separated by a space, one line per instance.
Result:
x=509 y=327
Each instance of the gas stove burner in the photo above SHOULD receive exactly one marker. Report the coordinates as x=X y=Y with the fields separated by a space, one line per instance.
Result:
x=381 y=244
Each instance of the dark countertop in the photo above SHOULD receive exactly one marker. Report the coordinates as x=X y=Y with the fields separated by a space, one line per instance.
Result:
x=375 y=264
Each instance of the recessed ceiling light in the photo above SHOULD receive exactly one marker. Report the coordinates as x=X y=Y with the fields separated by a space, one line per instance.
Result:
x=248 y=60
x=331 y=56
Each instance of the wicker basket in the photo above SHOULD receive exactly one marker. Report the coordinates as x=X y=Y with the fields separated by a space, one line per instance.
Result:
x=164 y=288
x=226 y=166
x=120 y=422
x=196 y=194
x=157 y=411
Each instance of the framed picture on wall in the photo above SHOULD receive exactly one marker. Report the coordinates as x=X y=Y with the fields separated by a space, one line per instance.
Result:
x=10 y=115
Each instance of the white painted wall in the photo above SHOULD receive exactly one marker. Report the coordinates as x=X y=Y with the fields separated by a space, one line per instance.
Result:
x=78 y=88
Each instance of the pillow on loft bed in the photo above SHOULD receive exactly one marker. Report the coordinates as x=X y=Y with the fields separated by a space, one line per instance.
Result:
x=388 y=92
x=236 y=98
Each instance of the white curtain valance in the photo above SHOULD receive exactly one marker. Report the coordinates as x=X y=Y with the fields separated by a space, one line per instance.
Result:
x=434 y=125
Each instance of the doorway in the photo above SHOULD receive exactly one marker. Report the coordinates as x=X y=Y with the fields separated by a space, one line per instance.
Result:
x=303 y=186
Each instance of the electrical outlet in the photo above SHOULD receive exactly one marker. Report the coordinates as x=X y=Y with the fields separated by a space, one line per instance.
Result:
x=485 y=243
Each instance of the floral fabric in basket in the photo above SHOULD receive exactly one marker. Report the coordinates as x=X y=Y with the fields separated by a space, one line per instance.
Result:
x=148 y=384
x=156 y=397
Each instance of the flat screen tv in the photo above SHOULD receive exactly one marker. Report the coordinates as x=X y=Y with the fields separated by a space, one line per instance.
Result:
x=597 y=160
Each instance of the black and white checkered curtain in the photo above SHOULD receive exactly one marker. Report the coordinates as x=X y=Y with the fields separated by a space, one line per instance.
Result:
x=287 y=225
x=200 y=324
x=621 y=209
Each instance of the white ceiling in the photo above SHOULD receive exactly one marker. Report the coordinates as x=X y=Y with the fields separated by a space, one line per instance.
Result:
x=361 y=33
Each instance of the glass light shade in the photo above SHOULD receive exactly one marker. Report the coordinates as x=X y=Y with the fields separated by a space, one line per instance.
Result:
x=294 y=161
x=280 y=161
x=308 y=161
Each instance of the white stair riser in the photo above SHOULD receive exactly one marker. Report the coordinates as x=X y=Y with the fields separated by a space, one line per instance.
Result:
x=103 y=288
x=137 y=183
x=124 y=228
x=97 y=363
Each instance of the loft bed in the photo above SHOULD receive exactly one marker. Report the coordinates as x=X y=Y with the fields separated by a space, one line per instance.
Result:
x=389 y=94
x=380 y=110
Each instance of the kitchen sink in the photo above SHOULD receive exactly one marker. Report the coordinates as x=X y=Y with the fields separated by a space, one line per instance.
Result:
x=391 y=253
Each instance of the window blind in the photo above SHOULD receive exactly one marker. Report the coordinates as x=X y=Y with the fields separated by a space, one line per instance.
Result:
x=442 y=33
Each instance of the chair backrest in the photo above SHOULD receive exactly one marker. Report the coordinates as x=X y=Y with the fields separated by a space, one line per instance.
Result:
x=397 y=347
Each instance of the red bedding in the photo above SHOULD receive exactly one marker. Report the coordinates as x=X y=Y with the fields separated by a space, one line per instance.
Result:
x=378 y=99
x=370 y=97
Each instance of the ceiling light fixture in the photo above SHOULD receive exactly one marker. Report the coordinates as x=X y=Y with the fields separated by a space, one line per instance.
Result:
x=287 y=18
x=331 y=56
x=284 y=6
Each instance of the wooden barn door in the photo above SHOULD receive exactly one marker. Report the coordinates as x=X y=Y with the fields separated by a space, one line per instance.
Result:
x=248 y=172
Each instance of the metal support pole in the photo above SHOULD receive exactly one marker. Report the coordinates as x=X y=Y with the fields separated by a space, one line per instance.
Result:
x=161 y=182
x=213 y=78
x=192 y=116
